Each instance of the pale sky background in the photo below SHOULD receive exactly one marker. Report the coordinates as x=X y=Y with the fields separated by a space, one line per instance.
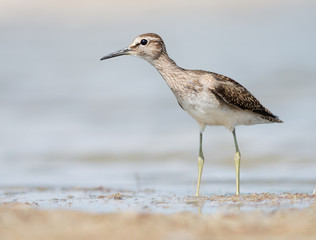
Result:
x=67 y=118
x=58 y=101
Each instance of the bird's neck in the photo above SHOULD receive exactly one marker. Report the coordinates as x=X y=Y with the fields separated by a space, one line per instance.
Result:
x=169 y=70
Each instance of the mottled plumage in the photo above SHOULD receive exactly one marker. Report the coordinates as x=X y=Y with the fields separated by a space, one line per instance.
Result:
x=234 y=94
x=210 y=98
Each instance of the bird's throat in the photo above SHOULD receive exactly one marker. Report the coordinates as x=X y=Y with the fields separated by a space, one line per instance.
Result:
x=169 y=70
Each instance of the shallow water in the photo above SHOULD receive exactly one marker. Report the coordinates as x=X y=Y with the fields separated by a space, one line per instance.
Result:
x=150 y=187
x=105 y=200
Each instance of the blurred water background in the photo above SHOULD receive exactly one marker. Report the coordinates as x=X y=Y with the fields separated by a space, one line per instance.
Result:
x=68 y=119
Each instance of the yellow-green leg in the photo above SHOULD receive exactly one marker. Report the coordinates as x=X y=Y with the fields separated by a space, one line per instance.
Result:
x=237 y=164
x=200 y=165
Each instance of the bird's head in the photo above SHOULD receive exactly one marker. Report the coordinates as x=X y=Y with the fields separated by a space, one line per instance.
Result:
x=148 y=46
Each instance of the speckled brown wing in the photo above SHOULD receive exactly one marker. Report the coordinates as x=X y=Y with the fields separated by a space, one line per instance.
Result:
x=234 y=94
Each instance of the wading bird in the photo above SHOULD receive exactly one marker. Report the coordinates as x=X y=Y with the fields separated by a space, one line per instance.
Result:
x=210 y=98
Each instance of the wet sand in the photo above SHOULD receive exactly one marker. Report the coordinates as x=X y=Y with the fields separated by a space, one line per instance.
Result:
x=21 y=220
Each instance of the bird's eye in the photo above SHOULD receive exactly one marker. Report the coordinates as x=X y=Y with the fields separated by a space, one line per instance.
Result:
x=143 y=42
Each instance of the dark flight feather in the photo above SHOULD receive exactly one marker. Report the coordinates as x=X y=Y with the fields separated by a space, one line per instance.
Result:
x=234 y=94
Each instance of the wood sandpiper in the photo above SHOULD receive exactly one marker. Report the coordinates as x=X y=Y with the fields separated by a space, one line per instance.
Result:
x=210 y=98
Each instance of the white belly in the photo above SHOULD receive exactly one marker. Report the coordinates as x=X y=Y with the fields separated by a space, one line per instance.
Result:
x=210 y=111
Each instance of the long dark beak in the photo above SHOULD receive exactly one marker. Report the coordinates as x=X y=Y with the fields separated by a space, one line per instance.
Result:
x=121 y=52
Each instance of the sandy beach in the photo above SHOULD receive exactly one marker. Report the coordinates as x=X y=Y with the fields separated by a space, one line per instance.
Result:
x=24 y=221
